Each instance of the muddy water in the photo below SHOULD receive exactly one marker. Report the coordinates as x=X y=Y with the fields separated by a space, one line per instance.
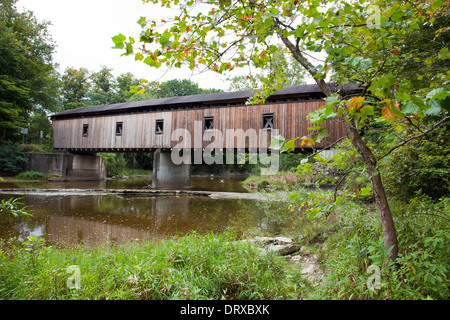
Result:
x=92 y=219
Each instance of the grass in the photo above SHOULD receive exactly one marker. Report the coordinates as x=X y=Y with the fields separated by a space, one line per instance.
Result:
x=32 y=175
x=136 y=172
x=348 y=239
x=191 y=267
x=286 y=180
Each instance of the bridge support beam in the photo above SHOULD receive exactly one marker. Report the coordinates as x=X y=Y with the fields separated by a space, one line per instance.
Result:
x=167 y=174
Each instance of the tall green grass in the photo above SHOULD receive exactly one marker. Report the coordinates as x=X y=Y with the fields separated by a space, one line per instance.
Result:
x=191 y=267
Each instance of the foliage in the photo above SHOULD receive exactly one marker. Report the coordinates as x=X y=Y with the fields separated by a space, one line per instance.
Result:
x=348 y=239
x=27 y=75
x=295 y=74
x=12 y=159
x=422 y=165
x=74 y=87
x=365 y=42
x=178 y=88
x=12 y=208
x=32 y=175
x=190 y=267
x=115 y=163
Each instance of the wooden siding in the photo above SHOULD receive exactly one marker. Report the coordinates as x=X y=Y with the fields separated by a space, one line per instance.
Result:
x=290 y=121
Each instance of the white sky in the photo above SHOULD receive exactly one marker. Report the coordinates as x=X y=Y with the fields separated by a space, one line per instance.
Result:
x=82 y=31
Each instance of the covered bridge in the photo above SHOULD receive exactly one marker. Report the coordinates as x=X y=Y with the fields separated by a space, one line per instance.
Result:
x=219 y=121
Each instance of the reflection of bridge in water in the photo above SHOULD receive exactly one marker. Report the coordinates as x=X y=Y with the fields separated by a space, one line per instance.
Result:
x=97 y=227
x=219 y=122
x=92 y=219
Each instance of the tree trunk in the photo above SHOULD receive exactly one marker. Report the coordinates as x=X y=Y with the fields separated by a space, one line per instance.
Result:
x=389 y=233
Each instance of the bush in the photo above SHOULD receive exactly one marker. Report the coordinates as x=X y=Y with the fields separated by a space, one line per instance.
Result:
x=12 y=159
x=115 y=163
x=420 y=271
x=31 y=175
x=420 y=165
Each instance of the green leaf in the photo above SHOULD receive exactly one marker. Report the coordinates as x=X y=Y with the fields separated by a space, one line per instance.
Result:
x=435 y=108
x=436 y=4
x=323 y=133
x=118 y=41
x=365 y=64
x=289 y=146
x=367 y=110
x=410 y=108
x=277 y=143
x=138 y=56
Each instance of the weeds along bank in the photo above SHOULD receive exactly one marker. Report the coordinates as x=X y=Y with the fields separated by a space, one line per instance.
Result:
x=348 y=242
x=191 y=267
x=346 y=239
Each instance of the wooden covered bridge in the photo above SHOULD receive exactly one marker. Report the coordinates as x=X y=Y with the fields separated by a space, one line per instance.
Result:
x=218 y=121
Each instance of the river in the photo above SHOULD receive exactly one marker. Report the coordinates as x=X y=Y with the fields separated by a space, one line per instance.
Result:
x=79 y=214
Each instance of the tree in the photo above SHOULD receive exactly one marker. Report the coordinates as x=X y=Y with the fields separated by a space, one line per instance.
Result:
x=75 y=87
x=124 y=83
x=294 y=74
x=360 y=40
x=178 y=88
x=27 y=74
x=103 y=89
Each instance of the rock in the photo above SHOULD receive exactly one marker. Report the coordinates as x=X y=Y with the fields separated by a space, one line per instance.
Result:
x=283 y=249
x=281 y=245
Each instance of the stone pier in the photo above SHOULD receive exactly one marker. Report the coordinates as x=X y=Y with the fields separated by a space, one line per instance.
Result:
x=167 y=174
x=68 y=166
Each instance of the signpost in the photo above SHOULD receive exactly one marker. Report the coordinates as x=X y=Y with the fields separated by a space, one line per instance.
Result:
x=24 y=131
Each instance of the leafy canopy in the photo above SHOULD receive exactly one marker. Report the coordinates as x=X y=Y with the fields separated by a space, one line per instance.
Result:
x=367 y=43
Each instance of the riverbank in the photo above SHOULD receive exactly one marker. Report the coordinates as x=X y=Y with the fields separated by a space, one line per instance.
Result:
x=336 y=247
x=190 y=267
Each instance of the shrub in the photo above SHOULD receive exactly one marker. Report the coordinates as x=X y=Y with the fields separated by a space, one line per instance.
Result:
x=115 y=163
x=12 y=159
x=31 y=175
x=420 y=165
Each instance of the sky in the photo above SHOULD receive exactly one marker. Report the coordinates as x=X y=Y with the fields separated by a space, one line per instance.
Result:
x=82 y=31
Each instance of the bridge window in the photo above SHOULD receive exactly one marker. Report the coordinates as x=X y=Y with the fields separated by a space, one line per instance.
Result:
x=268 y=121
x=119 y=128
x=208 y=123
x=85 y=131
x=159 y=127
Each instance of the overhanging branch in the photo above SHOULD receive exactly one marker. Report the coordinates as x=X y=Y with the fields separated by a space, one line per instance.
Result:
x=435 y=126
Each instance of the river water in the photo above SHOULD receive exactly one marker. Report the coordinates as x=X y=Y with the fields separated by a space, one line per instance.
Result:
x=91 y=218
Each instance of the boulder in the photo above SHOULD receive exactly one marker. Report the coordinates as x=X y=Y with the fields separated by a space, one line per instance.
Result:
x=281 y=245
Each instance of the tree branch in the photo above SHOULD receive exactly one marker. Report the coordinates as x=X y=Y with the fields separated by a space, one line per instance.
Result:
x=435 y=126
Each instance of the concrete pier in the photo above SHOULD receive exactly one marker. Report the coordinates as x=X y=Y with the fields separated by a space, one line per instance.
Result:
x=167 y=174
x=69 y=167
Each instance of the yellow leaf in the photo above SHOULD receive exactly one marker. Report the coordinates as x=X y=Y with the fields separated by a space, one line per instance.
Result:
x=307 y=142
x=356 y=102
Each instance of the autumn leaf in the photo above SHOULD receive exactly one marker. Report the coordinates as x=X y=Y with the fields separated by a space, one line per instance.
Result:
x=357 y=103
x=387 y=113
x=387 y=110
x=307 y=142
